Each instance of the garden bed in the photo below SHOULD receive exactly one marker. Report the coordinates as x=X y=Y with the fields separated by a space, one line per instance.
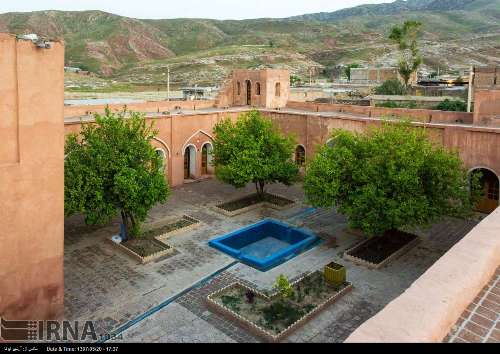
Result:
x=164 y=230
x=145 y=249
x=253 y=201
x=378 y=251
x=270 y=317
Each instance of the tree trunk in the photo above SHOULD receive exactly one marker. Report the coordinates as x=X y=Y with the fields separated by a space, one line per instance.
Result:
x=125 y=225
x=260 y=185
x=135 y=231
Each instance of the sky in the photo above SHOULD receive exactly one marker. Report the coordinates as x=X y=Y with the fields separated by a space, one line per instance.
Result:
x=216 y=9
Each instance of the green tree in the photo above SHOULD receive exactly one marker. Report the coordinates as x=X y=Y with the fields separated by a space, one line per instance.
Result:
x=391 y=177
x=406 y=37
x=111 y=167
x=295 y=80
x=252 y=150
x=391 y=87
x=348 y=68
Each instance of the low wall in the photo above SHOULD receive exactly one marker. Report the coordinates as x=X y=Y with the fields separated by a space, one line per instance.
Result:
x=156 y=106
x=427 y=311
x=420 y=115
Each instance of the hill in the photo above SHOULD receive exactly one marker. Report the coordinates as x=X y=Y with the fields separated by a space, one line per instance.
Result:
x=458 y=33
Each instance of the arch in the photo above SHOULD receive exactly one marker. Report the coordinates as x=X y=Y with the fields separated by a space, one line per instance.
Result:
x=248 y=85
x=490 y=182
x=277 y=89
x=186 y=144
x=331 y=142
x=189 y=162
x=300 y=155
x=160 y=152
x=257 y=88
x=161 y=142
x=206 y=158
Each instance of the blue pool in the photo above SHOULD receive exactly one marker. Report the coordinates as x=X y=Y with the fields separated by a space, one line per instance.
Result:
x=266 y=244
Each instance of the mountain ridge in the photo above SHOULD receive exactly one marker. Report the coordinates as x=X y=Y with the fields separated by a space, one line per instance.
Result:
x=138 y=50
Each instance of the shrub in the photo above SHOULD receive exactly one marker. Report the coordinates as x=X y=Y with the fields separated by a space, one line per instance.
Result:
x=392 y=104
x=391 y=87
x=452 y=106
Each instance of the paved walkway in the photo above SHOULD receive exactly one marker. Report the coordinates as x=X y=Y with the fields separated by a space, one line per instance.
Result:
x=480 y=323
x=106 y=286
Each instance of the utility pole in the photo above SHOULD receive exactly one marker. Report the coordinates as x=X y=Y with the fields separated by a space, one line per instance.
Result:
x=469 y=98
x=168 y=82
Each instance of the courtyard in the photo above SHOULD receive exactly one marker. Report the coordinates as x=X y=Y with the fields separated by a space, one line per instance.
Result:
x=165 y=301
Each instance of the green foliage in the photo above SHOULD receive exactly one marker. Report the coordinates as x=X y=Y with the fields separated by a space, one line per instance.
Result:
x=452 y=105
x=406 y=37
x=391 y=87
x=253 y=150
x=111 y=167
x=231 y=302
x=295 y=80
x=391 y=177
x=347 y=71
x=283 y=286
x=393 y=104
x=281 y=311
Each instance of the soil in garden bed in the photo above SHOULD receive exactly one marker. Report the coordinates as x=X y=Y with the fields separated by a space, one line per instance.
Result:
x=276 y=315
x=378 y=249
x=254 y=199
x=176 y=225
x=145 y=246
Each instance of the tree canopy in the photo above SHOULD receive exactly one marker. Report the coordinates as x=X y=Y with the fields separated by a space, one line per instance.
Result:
x=391 y=177
x=252 y=150
x=406 y=37
x=111 y=167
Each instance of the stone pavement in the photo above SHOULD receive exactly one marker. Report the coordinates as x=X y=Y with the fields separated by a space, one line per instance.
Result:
x=106 y=286
x=480 y=323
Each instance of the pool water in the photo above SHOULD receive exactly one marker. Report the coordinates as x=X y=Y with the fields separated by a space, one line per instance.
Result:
x=265 y=247
x=266 y=244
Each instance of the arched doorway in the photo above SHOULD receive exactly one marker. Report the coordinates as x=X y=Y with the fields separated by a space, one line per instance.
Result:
x=490 y=183
x=161 y=153
x=249 y=92
x=206 y=159
x=300 y=156
x=190 y=162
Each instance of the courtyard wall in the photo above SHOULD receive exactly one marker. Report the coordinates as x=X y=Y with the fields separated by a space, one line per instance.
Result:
x=31 y=180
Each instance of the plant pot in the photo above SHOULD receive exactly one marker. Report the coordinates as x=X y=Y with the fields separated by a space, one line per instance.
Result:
x=335 y=273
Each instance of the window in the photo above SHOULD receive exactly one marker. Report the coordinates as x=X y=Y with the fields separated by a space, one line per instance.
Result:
x=239 y=88
x=278 y=89
x=300 y=156
x=257 y=90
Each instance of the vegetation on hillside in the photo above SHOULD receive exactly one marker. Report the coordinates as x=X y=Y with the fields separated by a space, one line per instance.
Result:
x=138 y=50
